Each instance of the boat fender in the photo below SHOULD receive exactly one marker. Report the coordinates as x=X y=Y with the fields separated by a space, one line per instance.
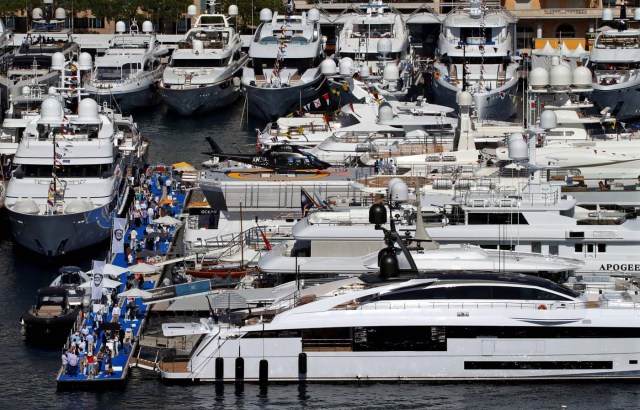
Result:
x=263 y=374
x=302 y=364
x=219 y=368
x=542 y=307
x=239 y=370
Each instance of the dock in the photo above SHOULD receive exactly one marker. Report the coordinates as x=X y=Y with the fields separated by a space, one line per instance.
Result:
x=96 y=376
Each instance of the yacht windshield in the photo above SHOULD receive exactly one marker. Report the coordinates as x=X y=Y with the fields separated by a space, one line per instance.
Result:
x=618 y=42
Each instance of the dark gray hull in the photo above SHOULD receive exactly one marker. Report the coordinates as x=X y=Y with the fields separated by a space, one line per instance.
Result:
x=624 y=102
x=200 y=100
x=269 y=104
x=128 y=101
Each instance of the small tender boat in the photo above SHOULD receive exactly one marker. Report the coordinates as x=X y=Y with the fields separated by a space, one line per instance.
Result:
x=52 y=317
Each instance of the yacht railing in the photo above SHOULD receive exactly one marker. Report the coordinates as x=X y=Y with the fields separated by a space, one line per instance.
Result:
x=134 y=78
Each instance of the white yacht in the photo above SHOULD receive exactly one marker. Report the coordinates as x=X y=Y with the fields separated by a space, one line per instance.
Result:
x=126 y=76
x=69 y=178
x=465 y=327
x=204 y=71
x=476 y=48
x=284 y=68
x=614 y=59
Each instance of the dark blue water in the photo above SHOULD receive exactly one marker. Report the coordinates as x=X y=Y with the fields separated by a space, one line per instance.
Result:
x=27 y=373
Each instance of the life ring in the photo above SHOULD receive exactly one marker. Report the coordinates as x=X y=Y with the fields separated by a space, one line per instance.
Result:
x=542 y=307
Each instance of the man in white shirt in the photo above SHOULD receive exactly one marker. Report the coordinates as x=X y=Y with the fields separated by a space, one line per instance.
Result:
x=115 y=313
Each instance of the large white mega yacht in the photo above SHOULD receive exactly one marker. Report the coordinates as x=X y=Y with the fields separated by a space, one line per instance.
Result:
x=69 y=178
x=204 y=71
x=614 y=59
x=126 y=75
x=476 y=47
x=284 y=69
x=471 y=327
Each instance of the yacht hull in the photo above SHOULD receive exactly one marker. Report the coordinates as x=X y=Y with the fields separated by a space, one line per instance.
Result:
x=269 y=104
x=200 y=100
x=496 y=105
x=623 y=101
x=54 y=235
x=129 y=100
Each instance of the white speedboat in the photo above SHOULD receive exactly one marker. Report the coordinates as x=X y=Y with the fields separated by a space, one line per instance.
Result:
x=204 y=71
x=614 y=61
x=476 y=48
x=69 y=178
x=466 y=327
x=284 y=68
x=126 y=76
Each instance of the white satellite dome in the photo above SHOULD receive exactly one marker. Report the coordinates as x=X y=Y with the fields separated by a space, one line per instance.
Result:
x=548 y=120
x=313 y=15
x=560 y=77
x=88 y=112
x=398 y=190
x=465 y=99
x=328 y=67
x=345 y=66
x=364 y=71
x=85 y=62
x=385 y=113
x=539 y=78
x=121 y=27
x=26 y=206
x=60 y=14
x=147 y=27
x=79 y=205
x=518 y=150
x=233 y=10
x=37 y=14
x=582 y=77
x=607 y=15
x=384 y=47
x=197 y=46
x=51 y=112
x=391 y=72
x=265 y=15
x=25 y=90
x=52 y=90
x=57 y=61
x=192 y=10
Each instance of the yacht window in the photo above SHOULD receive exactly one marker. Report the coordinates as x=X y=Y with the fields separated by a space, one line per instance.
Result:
x=602 y=247
x=536 y=247
x=205 y=62
x=565 y=31
x=553 y=250
x=578 y=247
x=474 y=292
x=108 y=73
x=590 y=248
x=628 y=42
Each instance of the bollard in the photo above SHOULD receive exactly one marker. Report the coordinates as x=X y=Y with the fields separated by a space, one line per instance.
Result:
x=264 y=374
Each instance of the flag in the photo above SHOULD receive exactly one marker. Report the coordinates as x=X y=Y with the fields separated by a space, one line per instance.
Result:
x=317 y=103
x=326 y=120
x=267 y=244
x=345 y=86
x=117 y=232
x=501 y=94
x=97 y=281
x=306 y=201
x=326 y=97
x=352 y=109
x=301 y=130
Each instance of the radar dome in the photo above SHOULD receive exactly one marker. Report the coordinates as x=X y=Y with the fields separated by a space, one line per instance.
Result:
x=88 y=112
x=378 y=214
x=560 y=77
x=548 y=120
x=57 y=61
x=636 y=14
x=582 y=77
x=518 y=150
x=233 y=10
x=345 y=66
x=25 y=90
x=539 y=78
x=60 y=14
x=36 y=14
x=197 y=46
x=313 y=15
x=51 y=112
x=265 y=15
x=389 y=265
x=364 y=71
x=121 y=27
x=26 y=206
x=555 y=60
x=147 y=27
x=384 y=47
x=385 y=113
x=391 y=73
x=607 y=15
x=398 y=190
x=328 y=67
x=465 y=99
x=192 y=10
x=79 y=205
x=52 y=90
x=85 y=62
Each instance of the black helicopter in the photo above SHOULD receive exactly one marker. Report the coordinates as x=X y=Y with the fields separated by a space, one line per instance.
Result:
x=280 y=158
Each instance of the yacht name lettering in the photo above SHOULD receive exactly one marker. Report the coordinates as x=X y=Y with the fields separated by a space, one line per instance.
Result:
x=621 y=266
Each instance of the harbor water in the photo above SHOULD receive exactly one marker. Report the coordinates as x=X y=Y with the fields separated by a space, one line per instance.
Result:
x=27 y=373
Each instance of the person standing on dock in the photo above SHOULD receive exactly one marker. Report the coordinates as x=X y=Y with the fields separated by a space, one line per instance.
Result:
x=115 y=313
x=72 y=362
x=65 y=362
